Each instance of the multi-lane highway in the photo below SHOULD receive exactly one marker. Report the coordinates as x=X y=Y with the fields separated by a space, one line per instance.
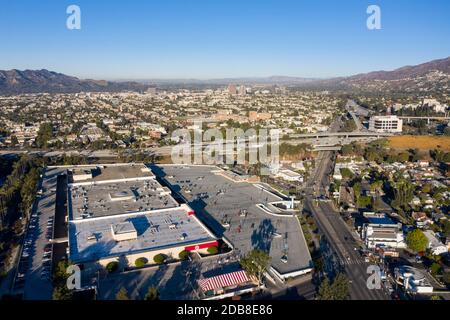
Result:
x=338 y=235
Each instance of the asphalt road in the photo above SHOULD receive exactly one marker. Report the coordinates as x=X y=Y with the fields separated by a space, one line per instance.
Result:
x=338 y=235
x=343 y=244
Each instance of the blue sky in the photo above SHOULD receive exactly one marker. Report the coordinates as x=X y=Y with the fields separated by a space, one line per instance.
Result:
x=139 y=39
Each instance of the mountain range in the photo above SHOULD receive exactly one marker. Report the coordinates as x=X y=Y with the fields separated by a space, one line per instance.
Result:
x=430 y=76
x=433 y=75
x=32 y=81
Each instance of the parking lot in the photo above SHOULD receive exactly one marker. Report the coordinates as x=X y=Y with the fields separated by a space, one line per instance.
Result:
x=34 y=272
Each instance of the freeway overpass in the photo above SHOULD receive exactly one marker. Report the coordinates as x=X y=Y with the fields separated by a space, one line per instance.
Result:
x=409 y=118
x=321 y=141
x=326 y=147
x=326 y=134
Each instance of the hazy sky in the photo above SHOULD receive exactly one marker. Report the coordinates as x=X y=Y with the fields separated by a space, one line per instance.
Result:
x=221 y=38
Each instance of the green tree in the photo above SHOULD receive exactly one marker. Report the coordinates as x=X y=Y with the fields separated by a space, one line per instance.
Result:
x=435 y=268
x=44 y=134
x=255 y=263
x=364 y=201
x=417 y=241
x=446 y=227
x=60 y=276
x=183 y=255
x=357 y=189
x=62 y=293
x=338 y=290
x=403 y=157
x=325 y=291
x=122 y=294
x=340 y=287
x=346 y=173
x=376 y=185
x=349 y=125
x=140 y=262
x=347 y=150
x=112 y=266
x=14 y=141
x=159 y=258
x=446 y=278
x=212 y=250
x=152 y=293
x=426 y=188
x=403 y=193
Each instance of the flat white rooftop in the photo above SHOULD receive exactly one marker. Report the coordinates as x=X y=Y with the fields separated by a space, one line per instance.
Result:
x=216 y=199
x=122 y=209
x=106 y=199
x=92 y=239
x=111 y=172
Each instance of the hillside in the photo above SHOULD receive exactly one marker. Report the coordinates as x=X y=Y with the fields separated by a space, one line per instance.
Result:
x=31 y=81
x=430 y=76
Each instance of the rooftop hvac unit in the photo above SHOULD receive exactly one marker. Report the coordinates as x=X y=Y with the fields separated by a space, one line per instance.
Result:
x=173 y=226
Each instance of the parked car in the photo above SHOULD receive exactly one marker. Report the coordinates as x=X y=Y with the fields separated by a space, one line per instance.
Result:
x=47 y=263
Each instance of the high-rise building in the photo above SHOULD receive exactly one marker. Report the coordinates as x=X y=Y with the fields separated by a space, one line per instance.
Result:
x=242 y=90
x=232 y=89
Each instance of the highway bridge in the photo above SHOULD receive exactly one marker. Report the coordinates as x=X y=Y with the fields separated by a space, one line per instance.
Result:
x=320 y=141
x=327 y=134
x=429 y=119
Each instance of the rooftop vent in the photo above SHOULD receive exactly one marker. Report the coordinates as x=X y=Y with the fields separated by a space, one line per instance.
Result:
x=122 y=195
x=123 y=231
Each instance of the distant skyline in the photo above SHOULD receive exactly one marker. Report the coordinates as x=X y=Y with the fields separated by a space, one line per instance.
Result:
x=204 y=39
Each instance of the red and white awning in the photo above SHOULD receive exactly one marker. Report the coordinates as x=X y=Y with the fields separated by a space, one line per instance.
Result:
x=224 y=280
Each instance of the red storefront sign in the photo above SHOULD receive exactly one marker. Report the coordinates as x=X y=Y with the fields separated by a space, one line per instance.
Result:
x=201 y=246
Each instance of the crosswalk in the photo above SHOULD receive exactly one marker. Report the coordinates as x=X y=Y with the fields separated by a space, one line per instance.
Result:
x=353 y=262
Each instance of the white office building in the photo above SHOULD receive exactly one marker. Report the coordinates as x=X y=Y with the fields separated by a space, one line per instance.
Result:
x=391 y=124
x=381 y=231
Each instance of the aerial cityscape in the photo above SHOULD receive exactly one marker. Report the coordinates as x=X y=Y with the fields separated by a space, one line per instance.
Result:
x=203 y=163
